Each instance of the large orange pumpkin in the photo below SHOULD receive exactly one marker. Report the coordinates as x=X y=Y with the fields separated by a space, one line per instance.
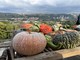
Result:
x=29 y=43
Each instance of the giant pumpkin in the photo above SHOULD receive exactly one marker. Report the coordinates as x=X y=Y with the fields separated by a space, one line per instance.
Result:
x=29 y=43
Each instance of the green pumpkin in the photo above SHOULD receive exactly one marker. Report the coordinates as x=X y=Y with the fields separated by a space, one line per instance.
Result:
x=51 y=44
x=34 y=28
x=68 y=39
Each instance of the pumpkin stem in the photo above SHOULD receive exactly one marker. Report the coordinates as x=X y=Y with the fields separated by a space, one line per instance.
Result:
x=29 y=31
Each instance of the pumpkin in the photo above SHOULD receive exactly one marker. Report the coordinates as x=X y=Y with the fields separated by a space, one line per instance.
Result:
x=55 y=27
x=50 y=43
x=58 y=24
x=68 y=39
x=30 y=27
x=44 y=28
x=56 y=32
x=26 y=25
x=34 y=28
x=36 y=23
x=29 y=43
x=74 y=26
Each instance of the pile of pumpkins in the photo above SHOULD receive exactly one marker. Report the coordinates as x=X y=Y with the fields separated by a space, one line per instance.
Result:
x=38 y=36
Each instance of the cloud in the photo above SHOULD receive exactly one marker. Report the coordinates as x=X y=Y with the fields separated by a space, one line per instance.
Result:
x=34 y=6
x=19 y=3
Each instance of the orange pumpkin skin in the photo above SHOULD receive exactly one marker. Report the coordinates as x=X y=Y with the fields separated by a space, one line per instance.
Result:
x=26 y=25
x=45 y=28
x=29 y=44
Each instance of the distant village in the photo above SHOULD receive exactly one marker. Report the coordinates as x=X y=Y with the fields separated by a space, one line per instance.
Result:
x=46 y=17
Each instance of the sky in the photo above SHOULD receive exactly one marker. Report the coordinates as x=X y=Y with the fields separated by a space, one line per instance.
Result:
x=40 y=6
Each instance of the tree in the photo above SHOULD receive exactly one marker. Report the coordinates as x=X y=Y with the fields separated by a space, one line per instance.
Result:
x=78 y=21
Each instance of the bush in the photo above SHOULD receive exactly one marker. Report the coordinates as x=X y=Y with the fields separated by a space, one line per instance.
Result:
x=6 y=30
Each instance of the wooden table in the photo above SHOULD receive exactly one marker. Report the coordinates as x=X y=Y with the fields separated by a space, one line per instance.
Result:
x=54 y=55
x=50 y=55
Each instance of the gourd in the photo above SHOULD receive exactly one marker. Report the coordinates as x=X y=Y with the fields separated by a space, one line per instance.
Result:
x=44 y=28
x=69 y=39
x=50 y=43
x=29 y=43
x=56 y=26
